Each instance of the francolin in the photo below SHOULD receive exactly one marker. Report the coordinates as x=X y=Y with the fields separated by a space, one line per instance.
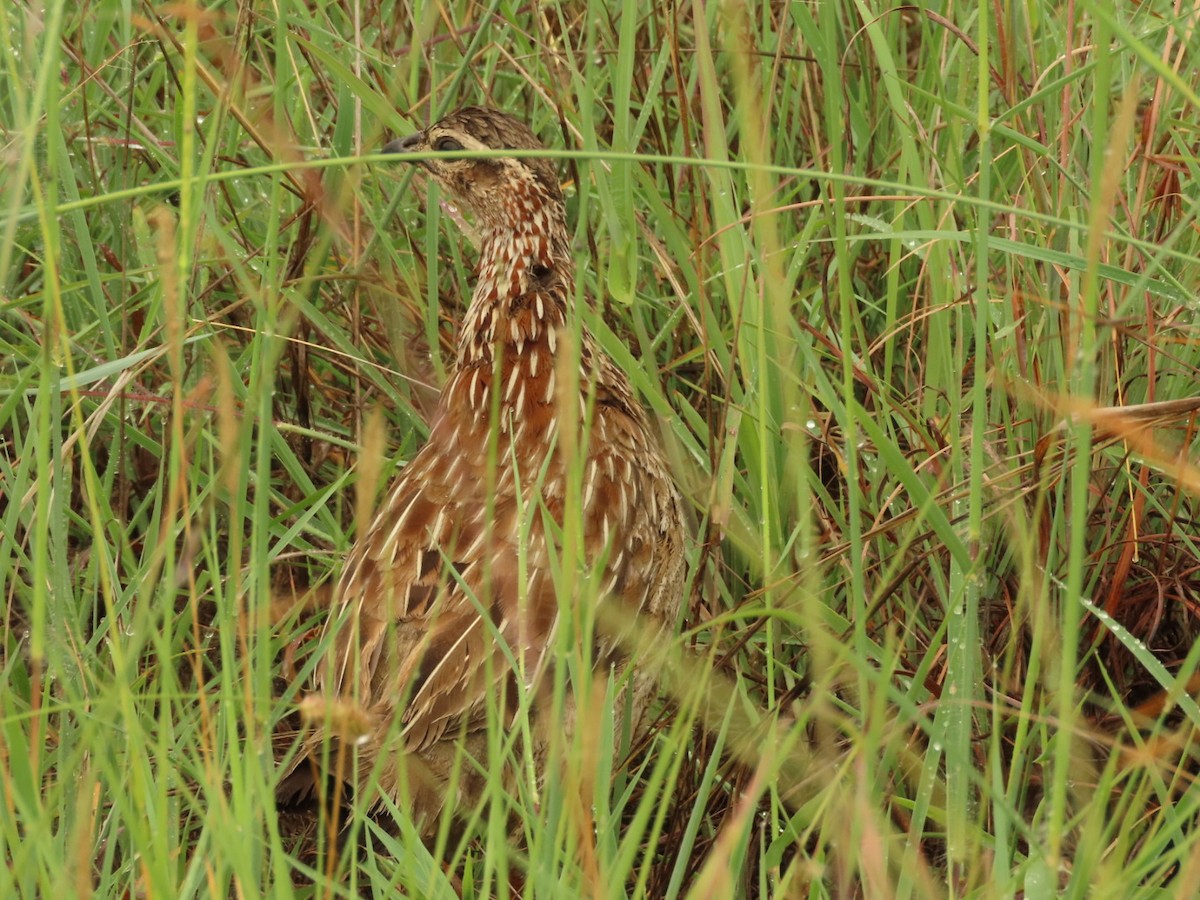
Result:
x=450 y=594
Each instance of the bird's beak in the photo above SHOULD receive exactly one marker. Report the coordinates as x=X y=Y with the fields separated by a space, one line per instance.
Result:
x=404 y=144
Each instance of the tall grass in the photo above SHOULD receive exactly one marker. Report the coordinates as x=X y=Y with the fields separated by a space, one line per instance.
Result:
x=899 y=284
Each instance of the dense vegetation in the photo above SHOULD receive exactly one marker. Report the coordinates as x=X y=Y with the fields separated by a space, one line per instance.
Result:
x=911 y=292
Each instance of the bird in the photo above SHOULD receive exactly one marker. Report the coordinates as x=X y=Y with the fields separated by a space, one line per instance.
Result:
x=447 y=603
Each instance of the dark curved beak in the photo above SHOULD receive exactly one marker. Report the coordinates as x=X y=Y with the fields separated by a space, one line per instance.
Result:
x=404 y=144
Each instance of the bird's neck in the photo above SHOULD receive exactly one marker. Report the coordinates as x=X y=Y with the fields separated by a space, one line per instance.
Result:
x=526 y=279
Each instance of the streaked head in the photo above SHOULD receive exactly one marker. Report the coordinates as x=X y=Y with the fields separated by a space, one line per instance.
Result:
x=497 y=189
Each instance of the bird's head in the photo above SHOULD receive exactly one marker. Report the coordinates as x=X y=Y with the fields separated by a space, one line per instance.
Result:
x=501 y=191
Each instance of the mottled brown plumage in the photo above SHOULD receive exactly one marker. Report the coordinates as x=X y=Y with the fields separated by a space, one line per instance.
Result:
x=473 y=524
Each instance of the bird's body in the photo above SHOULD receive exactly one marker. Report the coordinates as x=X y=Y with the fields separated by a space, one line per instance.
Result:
x=449 y=602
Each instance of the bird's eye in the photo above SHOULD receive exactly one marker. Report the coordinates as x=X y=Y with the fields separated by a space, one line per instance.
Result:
x=446 y=145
